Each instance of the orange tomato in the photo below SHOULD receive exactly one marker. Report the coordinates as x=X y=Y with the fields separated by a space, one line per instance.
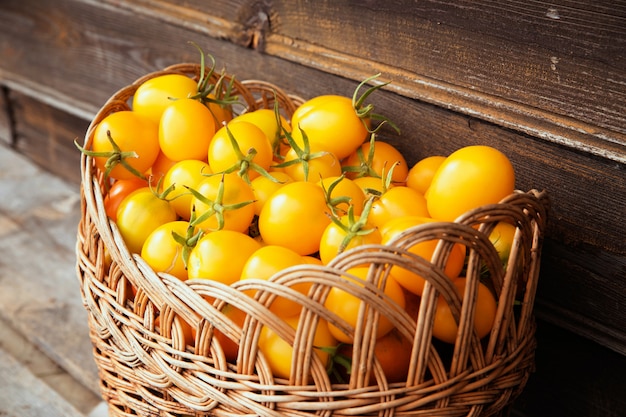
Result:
x=445 y=327
x=346 y=305
x=469 y=178
x=421 y=174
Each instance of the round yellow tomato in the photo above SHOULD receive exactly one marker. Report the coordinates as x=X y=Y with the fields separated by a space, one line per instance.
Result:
x=263 y=188
x=340 y=238
x=502 y=237
x=445 y=327
x=469 y=178
x=346 y=305
x=136 y=138
x=295 y=216
x=223 y=202
x=312 y=166
x=279 y=353
x=240 y=147
x=384 y=157
x=331 y=123
x=183 y=174
x=265 y=119
x=267 y=261
x=163 y=253
x=396 y=202
x=425 y=249
x=186 y=130
x=344 y=194
x=221 y=256
x=421 y=174
x=139 y=214
x=154 y=95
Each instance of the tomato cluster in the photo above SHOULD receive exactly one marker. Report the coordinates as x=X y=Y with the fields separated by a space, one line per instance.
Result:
x=203 y=193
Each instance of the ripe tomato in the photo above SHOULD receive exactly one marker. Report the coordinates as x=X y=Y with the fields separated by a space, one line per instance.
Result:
x=118 y=191
x=139 y=214
x=470 y=177
x=337 y=239
x=158 y=170
x=265 y=119
x=230 y=346
x=222 y=113
x=331 y=123
x=221 y=255
x=445 y=327
x=186 y=130
x=383 y=159
x=397 y=202
x=409 y=280
x=421 y=174
x=267 y=261
x=163 y=253
x=137 y=139
x=502 y=237
x=295 y=216
x=263 y=188
x=311 y=167
x=224 y=202
x=347 y=305
x=154 y=95
x=279 y=353
x=369 y=184
x=186 y=173
x=345 y=193
x=248 y=146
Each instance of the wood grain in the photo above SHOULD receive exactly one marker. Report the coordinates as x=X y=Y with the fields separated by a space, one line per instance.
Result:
x=23 y=395
x=39 y=293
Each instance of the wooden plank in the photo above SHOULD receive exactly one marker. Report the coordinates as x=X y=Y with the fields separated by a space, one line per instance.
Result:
x=23 y=395
x=46 y=370
x=39 y=293
x=545 y=63
x=46 y=135
x=6 y=124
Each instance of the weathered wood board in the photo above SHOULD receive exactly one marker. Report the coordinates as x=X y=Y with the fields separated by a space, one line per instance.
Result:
x=22 y=394
x=39 y=291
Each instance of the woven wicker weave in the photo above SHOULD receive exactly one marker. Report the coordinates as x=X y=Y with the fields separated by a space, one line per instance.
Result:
x=146 y=369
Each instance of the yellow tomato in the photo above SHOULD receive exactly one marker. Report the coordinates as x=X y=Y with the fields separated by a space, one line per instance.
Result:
x=469 y=178
x=421 y=174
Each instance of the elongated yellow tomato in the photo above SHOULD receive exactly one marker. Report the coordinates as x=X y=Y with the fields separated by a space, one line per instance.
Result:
x=137 y=138
x=155 y=94
x=337 y=239
x=265 y=119
x=279 y=353
x=264 y=187
x=345 y=193
x=267 y=261
x=469 y=177
x=425 y=249
x=186 y=130
x=421 y=174
x=444 y=325
x=139 y=214
x=295 y=216
x=396 y=202
x=330 y=122
x=163 y=253
x=186 y=173
x=346 y=305
x=247 y=149
x=221 y=255
x=322 y=164
x=226 y=202
x=384 y=157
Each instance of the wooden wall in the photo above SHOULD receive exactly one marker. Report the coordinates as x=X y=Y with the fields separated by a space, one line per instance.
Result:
x=545 y=82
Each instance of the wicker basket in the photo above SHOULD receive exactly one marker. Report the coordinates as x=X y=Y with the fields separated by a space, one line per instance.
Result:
x=146 y=369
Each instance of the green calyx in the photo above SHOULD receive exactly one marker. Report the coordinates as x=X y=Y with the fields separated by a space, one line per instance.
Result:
x=217 y=207
x=355 y=227
x=366 y=112
x=114 y=157
x=365 y=167
x=189 y=241
x=303 y=154
x=245 y=162
x=221 y=92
